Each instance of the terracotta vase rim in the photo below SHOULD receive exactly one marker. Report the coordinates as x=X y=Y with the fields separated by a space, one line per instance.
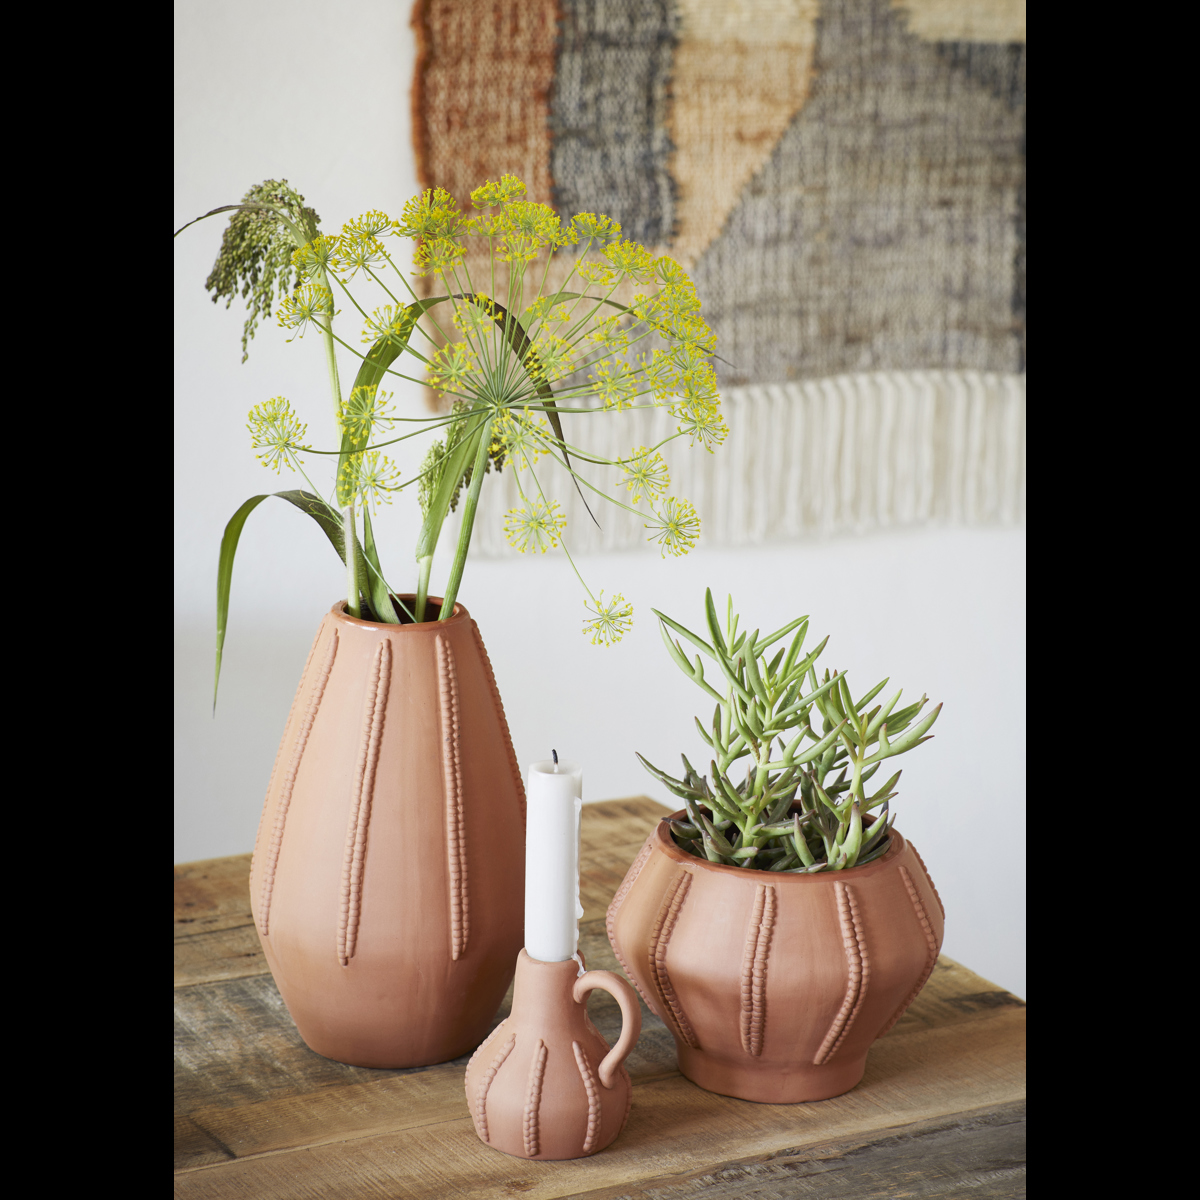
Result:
x=666 y=843
x=460 y=614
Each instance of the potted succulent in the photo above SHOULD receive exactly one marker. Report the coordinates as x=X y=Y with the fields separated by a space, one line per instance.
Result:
x=778 y=923
x=387 y=876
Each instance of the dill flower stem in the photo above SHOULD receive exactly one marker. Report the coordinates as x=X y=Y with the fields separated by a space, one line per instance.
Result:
x=348 y=535
x=468 y=521
x=335 y=385
x=351 y=545
x=424 y=567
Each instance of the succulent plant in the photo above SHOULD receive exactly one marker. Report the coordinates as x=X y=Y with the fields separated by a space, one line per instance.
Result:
x=803 y=805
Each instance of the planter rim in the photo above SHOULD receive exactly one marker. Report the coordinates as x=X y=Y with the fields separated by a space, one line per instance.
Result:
x=665 y=843
x=460 y=615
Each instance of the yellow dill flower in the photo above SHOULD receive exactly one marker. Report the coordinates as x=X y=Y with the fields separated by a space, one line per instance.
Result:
x=437 y=256
x=519 y=247
x=547 y=309
x=276 y=430
x=702 y=423
x=645 y=307
x=487 y=225
x=688 y=330
x=485 y=302
x=628 y=258
x=645 y=474
x=550 y=357
x=677 y=306
x=532 y=220
x=371 y=224
x=490 y=194
x=318 y=255
x=359 y=254
x=690 y=360
x=538 y=310
x=681 y=372
x=451 y=367
x=368 y=477
x=610 y=335
x=616 y=390
x=473 y=320
x=395 y=324
x=536 y=525
x=366 y=408
x=522 y=437
x=611 y=622
x=675 y=527
x=590 y=227
x=599 y=273
x=698 y=383
x=433 y=214
x=304 y=305
x=671 y=273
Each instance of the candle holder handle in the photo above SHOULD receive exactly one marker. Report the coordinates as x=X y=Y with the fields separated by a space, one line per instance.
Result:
x=631 y=1018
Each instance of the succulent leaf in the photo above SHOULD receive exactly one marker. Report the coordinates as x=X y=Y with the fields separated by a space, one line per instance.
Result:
x=698 y=642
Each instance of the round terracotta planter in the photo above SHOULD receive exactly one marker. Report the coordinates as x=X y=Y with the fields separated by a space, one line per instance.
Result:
x=774 y=986
x=389 y=869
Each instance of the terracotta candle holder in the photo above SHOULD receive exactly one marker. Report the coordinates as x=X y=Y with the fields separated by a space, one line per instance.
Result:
x=545 y=1084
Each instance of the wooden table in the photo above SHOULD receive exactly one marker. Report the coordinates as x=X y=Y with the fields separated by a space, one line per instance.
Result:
x=940 y=1112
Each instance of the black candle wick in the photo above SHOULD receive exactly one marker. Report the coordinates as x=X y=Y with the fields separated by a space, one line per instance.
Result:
x=555 y=754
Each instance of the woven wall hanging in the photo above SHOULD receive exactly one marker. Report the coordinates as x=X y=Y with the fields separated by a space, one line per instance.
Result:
x=845 y=182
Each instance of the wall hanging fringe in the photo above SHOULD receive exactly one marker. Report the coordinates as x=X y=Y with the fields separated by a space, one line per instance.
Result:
x=849 y=453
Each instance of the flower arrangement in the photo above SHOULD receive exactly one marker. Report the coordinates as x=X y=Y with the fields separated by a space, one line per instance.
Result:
x=802 y=806
x=510 y=351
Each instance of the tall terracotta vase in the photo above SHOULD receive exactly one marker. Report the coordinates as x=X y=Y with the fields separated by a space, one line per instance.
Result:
x=388 y=875
x=774 y=986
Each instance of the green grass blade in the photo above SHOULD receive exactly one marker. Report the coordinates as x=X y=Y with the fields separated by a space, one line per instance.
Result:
x=329 y=521
x=381 y=600
x=229 y=544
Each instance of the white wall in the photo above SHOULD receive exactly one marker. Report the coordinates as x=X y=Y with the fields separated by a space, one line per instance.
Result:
x=319 y=94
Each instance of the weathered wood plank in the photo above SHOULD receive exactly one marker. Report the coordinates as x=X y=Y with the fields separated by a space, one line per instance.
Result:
x=674 y=1127
x=206 y=956
x=215 y=936
x=212 y=894
x=194 y=1147
x=981 y=1154
x=237 y=1045
x=237 y=1049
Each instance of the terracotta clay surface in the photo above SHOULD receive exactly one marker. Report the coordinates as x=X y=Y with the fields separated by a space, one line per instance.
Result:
x=774 y=986
x=545 y=1085
x=389 y=869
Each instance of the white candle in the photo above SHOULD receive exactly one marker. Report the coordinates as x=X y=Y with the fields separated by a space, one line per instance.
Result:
x=554 y=799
